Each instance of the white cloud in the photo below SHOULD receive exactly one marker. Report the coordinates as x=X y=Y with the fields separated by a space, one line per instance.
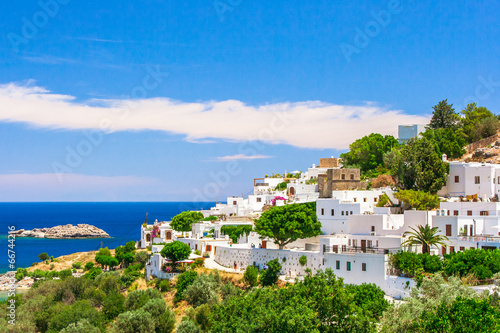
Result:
x=241 y=157
x=309 y=124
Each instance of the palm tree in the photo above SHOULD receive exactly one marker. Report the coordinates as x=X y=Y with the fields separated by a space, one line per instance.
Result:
x=425 y=236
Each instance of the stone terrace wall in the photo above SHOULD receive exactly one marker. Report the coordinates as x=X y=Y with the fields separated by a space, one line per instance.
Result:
x=481 y=143
x=226 y=256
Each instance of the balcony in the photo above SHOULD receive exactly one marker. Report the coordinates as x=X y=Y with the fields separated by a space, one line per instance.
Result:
x=480 y=238
x=358 y=249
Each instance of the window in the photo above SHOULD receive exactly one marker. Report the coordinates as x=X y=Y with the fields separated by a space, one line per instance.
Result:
x=373 y=228
x=457 y=179
x=452 y=249
x=349 y=242
x=462 y=248
x=455 y=212
x=234 y=203
x=333 y=212
x=375 y=199
x=352 y=176
x=342 y=212
x=259 y=199
x=344 y=248
x=369 y=243
x=337 y=264
x=355 y=199
x=448 y=230
x=351 y=212
x=469 y=213
x=376 y=243
x=477 y=180
x=484 y=213
x=348 y=265
x=354 y=242
x=364 y=199
x=363 y=267
x=322 y=211
x=343 y=176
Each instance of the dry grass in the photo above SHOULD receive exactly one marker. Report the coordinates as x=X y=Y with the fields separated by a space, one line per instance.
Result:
x=64 y=262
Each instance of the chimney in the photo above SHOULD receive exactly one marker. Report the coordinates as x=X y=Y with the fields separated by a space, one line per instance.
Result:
x=445 y=158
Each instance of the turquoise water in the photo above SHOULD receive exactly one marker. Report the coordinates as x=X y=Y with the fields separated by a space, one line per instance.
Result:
x=121 y=220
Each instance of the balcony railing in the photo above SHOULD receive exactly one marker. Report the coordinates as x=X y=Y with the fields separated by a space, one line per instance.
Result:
x=479 y=238
x=358 y=249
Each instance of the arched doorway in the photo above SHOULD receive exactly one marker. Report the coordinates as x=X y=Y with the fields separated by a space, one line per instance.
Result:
x=292 y=191
x=168 y=235
x=148 y=238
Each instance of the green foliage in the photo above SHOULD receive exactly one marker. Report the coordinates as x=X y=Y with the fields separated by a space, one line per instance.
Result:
x=303 y=260
x=188 y=326
x=384 y=201
x=478 y=122
x=367 y=153
x=448 y=141
x=106 y=261
x=426 y=237
x=137 y=299
x=184 y=220
x=236 y=231
x=320 y=303
x=176 y=251
x=43 y=256
x=93 y=273
x=210 y=218
x=88 y=265
x=66 y=315
x=163 y=318
x=163 y=285
x=417 y=199
x=281 y=186
x=198 y=262
x=251 y=276
x=444 y=116
x=228 y=290
x=104 y=252
x=462 y=315
x=133 y=322
x=370 y=298
x=269 y=276
x=65 y=273
x=420 y=166
x=141 y=257
x=383 y=181
x=21 y=273
x=83 y=326
x=482 y=263
x=77 y=265
x=113 y=305
x=183 y=281
x=285 y=224
x=203 y=290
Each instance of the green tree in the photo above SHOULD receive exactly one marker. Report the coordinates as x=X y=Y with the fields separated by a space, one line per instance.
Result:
x=368 y=152
x=251 y=276
x=188 y=326
x=303 y=260
x=448 y=141
x=421 y=166
x=83 y=326
x=133 y=322
x=270 y=276
x=163 y=318
x=236 y=231
x=79 y=310
x=203 y=290
x=285 y=224
x=183 y=281
x=141 y=257
x=444 y=116
x=417 y=199
x=138 y=298
x=369 y=297
x=43 y=256
x=425 y=236
x=89 y=265
x=113 y=305
x=183 y=221
x=473 y=117
x=176 y=251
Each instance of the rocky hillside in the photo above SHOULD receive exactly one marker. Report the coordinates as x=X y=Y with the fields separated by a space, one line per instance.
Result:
x=64 y=231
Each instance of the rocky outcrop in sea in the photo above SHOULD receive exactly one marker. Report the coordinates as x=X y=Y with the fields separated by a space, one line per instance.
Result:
x=63 y=232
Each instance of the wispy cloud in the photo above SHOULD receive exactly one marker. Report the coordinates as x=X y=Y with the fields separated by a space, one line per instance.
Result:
x=308 y=124
x=51 y=60
x=241 y=157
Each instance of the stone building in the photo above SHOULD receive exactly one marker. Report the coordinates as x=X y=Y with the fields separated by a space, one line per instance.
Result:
x=339 y=179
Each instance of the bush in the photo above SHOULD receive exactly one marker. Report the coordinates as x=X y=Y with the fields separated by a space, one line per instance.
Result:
x=383 y=181
x=43 y=256
x=199 y=262
x=163 y=318
x=89 y=265
x=251 y=276
x=137 y=299
x=183 y=281
x=77 y=265
x=384 y=201
x=188 y=326
x=113 y=305
x=164 y=285
x=270 y=275
x=65 y=273
x=52 y=266
x=303 y=260
x=229 y=290
x=93 y=273
x=83 y=326
x=66 y=315
x=141 y=257
x=369 y=297
x=203 y=290
x=132 y=322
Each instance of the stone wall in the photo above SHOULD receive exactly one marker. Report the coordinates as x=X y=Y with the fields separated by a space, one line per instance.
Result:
x=329 y=162
x=481 y=144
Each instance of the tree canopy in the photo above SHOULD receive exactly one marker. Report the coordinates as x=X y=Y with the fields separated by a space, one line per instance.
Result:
x=368 y=152
x=420 y=166
x=183 y=221
x=176 y=251
x=417 y=199
x=444 y=116
x=285 y=224
x=448 y=141
x=478 y=122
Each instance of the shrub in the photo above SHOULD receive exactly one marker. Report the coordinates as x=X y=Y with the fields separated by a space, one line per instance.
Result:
x=270 y=275
x=93 y=273
x=141 y=257
x=113 y=305
x=77 y=265
x=229 y=290
x=251 y=276
x=183 y=281
x=83 y=326
x=67 y=315
x=198 y=262
x=43 y=256
x=383 y=181
x=52 y=266
x=188 y=326
x=163 y=318
x=303 y=260
x=89 y=265
x=384 y=201
x=203 y=290
x=164 y=285
x=137 y=299
x=133 y=321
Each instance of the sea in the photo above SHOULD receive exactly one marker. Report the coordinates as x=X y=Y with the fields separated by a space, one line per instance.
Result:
x=121 y=220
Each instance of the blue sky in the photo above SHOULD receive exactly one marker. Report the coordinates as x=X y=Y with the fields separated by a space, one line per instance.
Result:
x=163 y=100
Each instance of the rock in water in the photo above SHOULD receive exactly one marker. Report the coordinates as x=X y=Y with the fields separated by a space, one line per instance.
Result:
x=64 y=231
